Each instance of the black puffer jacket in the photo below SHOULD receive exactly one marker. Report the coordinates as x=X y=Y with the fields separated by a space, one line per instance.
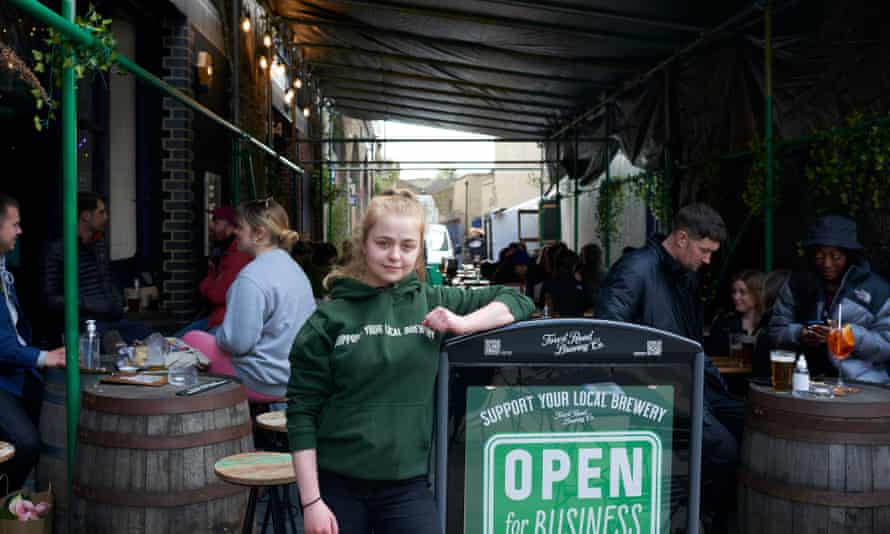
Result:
x=649 y=287
x=99 y=295
x=865 y=298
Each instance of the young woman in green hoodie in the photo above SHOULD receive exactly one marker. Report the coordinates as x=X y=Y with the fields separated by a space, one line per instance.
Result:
x=363 y=369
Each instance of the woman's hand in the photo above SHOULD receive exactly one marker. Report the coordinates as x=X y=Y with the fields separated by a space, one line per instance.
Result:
x=814 y=336
x=444 y=320
x=318 y=519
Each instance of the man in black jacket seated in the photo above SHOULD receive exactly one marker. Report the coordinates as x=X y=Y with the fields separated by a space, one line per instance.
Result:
x=657 y=286
x=100 y=296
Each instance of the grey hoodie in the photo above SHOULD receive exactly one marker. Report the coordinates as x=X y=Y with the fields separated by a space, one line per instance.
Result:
x=265 y=308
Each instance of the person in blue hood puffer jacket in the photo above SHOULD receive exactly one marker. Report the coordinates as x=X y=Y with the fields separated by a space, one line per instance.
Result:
x=839 y=277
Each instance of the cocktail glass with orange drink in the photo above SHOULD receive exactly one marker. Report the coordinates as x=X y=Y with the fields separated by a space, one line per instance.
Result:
x=841 y=342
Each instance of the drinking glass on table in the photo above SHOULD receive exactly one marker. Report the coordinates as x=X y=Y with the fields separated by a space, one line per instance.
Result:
x=841 y=343
x=782 y=369
x=735 y=347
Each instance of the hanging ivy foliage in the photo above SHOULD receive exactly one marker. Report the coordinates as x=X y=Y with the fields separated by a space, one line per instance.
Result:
x=61 y=53
x=648 y=186
x=849 y=171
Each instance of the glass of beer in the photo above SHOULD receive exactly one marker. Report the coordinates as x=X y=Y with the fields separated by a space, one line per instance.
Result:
x=841 y=342
x=735 y=347
x=782 y=364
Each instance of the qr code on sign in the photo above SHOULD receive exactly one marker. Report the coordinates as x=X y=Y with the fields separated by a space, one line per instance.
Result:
x=492 y=347
x=653 y=348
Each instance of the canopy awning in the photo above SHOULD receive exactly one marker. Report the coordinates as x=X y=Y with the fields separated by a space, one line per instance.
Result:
x=498 y=67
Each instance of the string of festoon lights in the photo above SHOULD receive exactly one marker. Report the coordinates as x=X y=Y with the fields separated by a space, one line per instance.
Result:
x=270 y=60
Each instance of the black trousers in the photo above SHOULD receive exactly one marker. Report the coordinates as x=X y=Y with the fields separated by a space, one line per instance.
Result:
x=384 y=507
x=723 y=424
x=20 y=425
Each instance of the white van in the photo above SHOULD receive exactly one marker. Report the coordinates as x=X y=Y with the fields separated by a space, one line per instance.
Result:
x=438 y=244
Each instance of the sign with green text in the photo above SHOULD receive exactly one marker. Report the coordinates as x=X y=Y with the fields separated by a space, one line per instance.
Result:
x=590 y=459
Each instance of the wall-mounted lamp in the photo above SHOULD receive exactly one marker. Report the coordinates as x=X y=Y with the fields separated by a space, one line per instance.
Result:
x=204 y=65
x=264 y=63
x=306 y=111
x=245 y=24
x=298 y=83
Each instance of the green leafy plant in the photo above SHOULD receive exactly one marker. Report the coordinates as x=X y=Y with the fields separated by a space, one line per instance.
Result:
x=651 y=188
x=61 y=53
x=323 y=191
x=609 y=205
x=849 y=171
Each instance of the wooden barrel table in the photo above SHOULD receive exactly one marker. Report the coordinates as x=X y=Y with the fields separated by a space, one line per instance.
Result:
x=815 y=465
x=52 y=469
x=145 y=459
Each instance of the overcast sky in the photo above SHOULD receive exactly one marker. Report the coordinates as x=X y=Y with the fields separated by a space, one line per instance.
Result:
x=430 y=151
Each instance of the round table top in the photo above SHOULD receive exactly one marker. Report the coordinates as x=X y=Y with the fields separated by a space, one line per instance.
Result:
x=257 y=469
x=125 y=399
x=7 y=451
x=869 y=401
x=275 y=421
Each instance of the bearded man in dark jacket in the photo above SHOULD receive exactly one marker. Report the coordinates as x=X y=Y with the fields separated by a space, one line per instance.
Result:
x=657 y=286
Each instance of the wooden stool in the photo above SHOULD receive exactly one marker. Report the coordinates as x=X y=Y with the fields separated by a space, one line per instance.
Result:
x=7 y=451
x=273 y=470
x=272 y=421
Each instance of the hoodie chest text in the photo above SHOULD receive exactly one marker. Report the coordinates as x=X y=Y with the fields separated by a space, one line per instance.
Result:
x=384 y=330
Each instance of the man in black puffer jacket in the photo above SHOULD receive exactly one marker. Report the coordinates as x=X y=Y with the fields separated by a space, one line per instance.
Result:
x=657 y=286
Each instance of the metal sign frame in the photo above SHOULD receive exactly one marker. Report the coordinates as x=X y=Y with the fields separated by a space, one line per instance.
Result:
x=673 y=347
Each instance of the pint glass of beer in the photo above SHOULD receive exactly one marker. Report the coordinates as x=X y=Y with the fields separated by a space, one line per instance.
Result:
x=782 y=363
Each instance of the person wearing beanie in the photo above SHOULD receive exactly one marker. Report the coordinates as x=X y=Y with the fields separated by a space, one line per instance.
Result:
x=839 y=277
x=225 y=262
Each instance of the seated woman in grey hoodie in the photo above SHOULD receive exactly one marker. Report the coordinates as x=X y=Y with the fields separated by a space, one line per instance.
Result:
x=265 y=307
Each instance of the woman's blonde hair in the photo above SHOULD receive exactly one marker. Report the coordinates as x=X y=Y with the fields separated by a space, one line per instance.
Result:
x=390 y=202
x=268 y=214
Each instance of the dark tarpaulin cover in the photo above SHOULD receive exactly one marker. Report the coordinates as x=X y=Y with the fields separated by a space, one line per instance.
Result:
x=512 y=69
x=501 y=67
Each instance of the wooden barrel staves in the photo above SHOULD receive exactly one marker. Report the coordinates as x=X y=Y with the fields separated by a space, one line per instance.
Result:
x=52 y=469
x=145 y=460
x=815 y=466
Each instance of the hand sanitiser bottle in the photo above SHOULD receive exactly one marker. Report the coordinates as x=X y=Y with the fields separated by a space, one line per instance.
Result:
x=800 y=382
x=89 y=346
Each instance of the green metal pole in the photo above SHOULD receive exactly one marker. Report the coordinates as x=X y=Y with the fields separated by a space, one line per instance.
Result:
x=577 y=178
x=80 y=37
x=69 y=235
x=768 y=186
x=330 y=205
x=668 y=187
x=607 y=234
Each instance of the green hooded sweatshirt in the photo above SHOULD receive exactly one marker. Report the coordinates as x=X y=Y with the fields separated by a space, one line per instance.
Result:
x=363 y=374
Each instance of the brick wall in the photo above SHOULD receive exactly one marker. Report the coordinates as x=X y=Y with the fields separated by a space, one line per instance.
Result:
x=177 y=176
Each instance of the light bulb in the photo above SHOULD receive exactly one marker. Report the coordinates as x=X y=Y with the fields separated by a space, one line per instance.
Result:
x=267 y=41
x=306 y=111
x=209 y=70
x=289 y=96
x=263 y=62
x=298 y=83
x=245 y=24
